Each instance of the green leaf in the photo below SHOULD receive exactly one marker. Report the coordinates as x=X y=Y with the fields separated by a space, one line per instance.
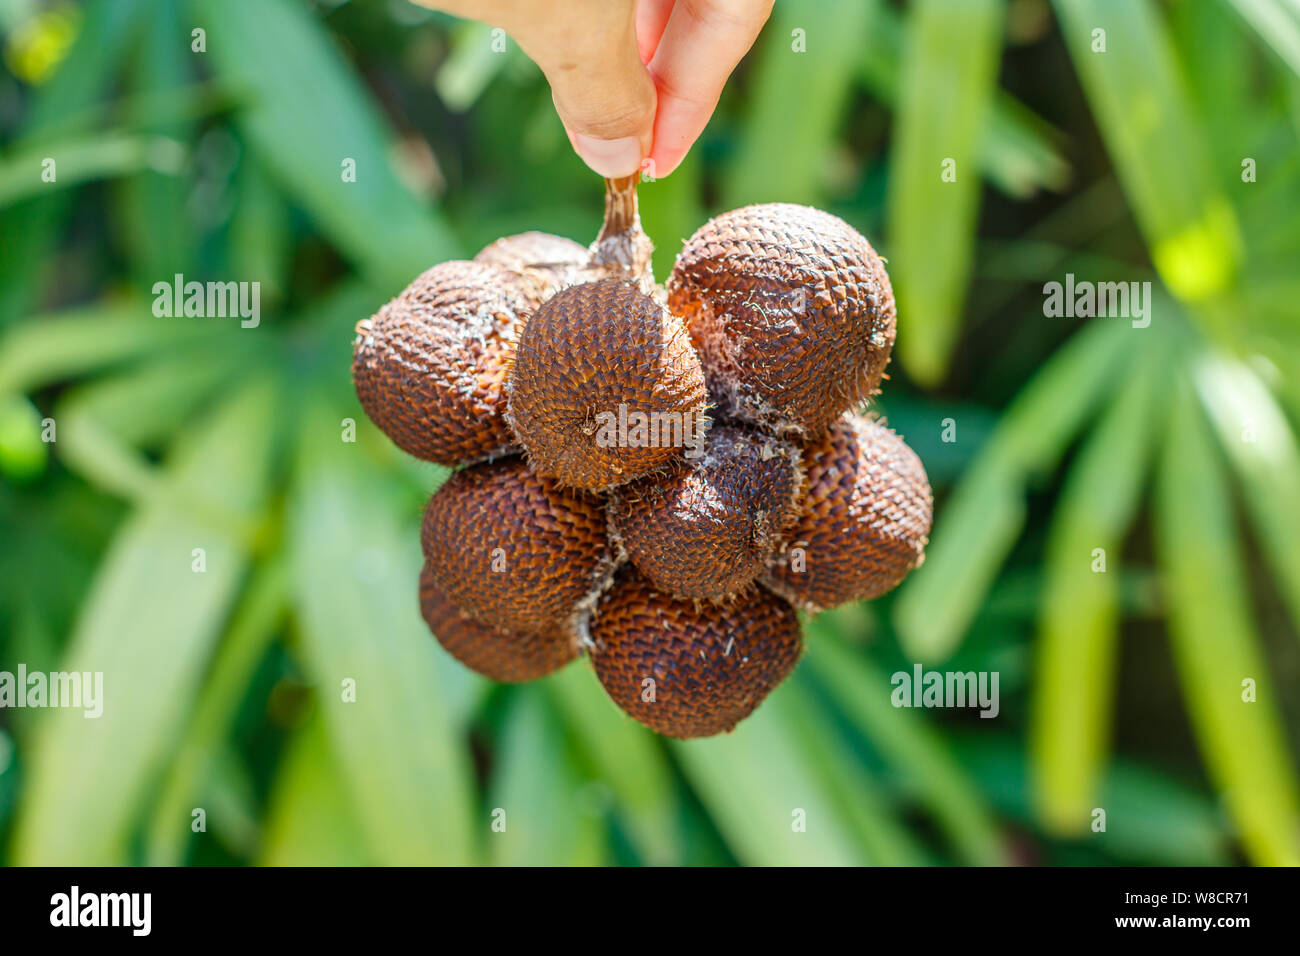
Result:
x=627 y=758
x=759 y=786
x=949 y=72
x=48 y=349
x=355 y=570
x=1072 y=688
x=230 y=800
x=260 y=245
x=224 y=687
x=798 y=96
x=277 y=49
x=22 y=452
x=310 y=821
x=148 y=627
x=1278 y=25
x=1018 y=152
x=155 y=214
x=1150 y=818
x=1215 y=645
x=102 y=426
x=975 y=529
x=104 y=156
x=470 y=66
x=913 y=750
x=859 y=799
x=28 y=232
x=140 y=110
x=973 y=536
x=1261 y=446
x=1156 y=142
x=105 y=461
x=151 y=400
x=106 y=27
x=549 y=818
x=1223 y=84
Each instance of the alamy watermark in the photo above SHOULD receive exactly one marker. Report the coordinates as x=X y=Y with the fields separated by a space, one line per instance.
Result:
x=923 y=688
x=624 y=429
x=1103 y=300
x=132 y=911
x=208 y=300
x=83 y=689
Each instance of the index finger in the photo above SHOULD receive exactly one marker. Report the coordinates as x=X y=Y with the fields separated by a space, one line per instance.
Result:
x=700 y=46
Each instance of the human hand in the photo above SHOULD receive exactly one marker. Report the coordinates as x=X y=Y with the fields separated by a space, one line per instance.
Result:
x=634 y=81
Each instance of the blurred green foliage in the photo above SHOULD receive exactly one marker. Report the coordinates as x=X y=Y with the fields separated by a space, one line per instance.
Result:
x=1162 y=148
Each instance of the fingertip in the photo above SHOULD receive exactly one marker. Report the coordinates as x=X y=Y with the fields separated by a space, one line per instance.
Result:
x=609 y=157
x=663 y=162
x=677 y=127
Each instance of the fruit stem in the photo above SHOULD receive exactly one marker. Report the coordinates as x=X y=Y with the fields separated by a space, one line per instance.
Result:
x=622 y=242
x=621 y=212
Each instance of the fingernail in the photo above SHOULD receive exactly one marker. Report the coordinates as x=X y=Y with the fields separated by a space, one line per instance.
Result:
x=609 y=157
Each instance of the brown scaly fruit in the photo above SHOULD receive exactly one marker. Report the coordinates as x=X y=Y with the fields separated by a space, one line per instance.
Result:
x=705 y=528
x=430 y=366
x=793 y=315
x=503 y=656
x=791 y=310
x=544 y=263
x=513 y=549
x=594 y=356
x=864 y=522
x=710 y=664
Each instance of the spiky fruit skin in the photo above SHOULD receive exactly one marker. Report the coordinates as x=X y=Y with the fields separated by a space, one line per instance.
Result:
x=781 y=318
x=711 y=664
x=513 y=549
x=587 y=352
x=498 y=655
x=705 y=528
x=865 y=518
x=791 y=310
x=430 y=366
x=542 y=262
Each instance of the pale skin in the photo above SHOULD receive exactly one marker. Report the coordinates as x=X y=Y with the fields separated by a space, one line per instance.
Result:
x=634 y=81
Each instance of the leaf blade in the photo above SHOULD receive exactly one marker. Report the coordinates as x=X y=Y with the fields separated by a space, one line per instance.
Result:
x=1156 y=143
x=976 y=528
x=1215 y=644
x=1262 y=450
x=627 y=757
x=949 y=72
x=355 y=568
x=755 y=782
x=147 y=626
x=1079 y=618
x=863 y=693
x=274 y=48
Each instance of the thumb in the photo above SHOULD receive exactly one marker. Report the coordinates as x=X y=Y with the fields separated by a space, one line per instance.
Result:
x=601 y=89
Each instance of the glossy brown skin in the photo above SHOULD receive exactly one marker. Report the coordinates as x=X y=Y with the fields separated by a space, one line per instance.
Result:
x=865 y=518
x=550 y=546
x=585 y=352
x=430 y=366
x=510 y=658
x=711 y=664
x=706 y=528
x=792 y=312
